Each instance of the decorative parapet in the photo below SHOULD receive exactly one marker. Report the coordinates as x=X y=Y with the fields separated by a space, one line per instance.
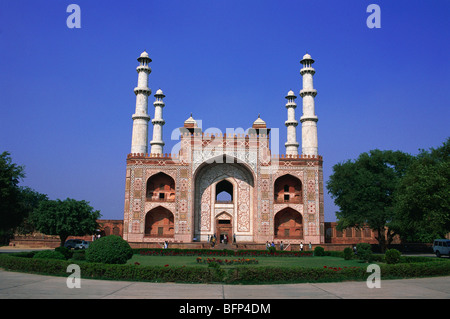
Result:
x=298 y=156
x=151 y=155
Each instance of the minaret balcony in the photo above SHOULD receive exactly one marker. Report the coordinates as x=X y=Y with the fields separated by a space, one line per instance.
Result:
x=158 y=121
x=287 y=144
x=144 y=68
x=307 y=70
x=159 y=103
x=291 y=123
x=142 y=90
x=291 y=104
x=310 y=92
x=309 y=118
x=142 y=116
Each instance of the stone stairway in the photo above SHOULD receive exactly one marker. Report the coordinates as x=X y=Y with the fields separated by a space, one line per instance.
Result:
x=221 y=246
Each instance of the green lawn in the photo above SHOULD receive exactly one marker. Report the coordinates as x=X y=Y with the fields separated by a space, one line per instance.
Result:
x=318 y=262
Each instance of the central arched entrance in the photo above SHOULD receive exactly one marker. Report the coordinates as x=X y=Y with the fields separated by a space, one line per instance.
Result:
x=223 y=187
x=224 y=227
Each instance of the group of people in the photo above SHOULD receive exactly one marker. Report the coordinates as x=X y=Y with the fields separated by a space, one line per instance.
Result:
x=212 y=239
x=268 y=245
x=95 y=237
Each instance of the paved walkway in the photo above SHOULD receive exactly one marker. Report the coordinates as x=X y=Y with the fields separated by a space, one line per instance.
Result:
x=15 y=285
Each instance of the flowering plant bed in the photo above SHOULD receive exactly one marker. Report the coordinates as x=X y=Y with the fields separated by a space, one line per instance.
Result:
x=339 y=268
x=221 y=253
x=234 y=261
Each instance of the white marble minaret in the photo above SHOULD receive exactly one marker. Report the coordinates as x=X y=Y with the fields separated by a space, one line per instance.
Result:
x=157 y=143
x=291 y=124
x=309 y=118
x=139 y=140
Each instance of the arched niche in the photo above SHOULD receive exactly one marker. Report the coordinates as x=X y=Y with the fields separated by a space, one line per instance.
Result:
x=288 y=189
x=288 y=224
x=159 y=222
x=160 y=187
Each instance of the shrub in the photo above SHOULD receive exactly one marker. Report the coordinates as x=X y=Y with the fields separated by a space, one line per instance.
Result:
x=348 y=253
x=364 y=252
x=79 y=255
x=25 y=254
x=65 y=251
x=49 y=254
x=392 y=256
x=109 y=250
x=213 y=264
x=272 y=250
x=319 y=251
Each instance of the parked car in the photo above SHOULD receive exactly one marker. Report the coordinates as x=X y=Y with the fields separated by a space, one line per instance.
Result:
x=441 y=247
x=83 y=245
x=71 y=243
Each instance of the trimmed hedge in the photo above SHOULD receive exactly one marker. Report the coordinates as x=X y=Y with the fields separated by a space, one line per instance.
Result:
x=49 y=254
x=241 y=274
x=112 y=271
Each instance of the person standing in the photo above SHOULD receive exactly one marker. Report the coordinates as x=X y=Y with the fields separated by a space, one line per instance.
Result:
x=301 y=246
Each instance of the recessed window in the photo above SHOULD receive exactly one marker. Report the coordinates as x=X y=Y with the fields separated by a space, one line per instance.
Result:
x=224 y=191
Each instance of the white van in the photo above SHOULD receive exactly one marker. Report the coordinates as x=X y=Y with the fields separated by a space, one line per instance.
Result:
x=441 y=247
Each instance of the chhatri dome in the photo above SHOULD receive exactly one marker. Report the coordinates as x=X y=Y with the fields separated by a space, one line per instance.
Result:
x=190 y=122
x=259 y=122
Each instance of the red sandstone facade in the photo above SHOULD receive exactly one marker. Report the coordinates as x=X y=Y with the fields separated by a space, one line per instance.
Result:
x=177 y=198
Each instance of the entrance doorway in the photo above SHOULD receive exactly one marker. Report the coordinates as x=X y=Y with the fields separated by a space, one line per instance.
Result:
x=224 y=228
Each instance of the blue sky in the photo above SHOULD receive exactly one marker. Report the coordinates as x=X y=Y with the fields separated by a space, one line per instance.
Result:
x=66 y=95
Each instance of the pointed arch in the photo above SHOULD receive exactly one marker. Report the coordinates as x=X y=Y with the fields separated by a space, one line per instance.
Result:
x=160 y=187
x=159 y=222
x=288 y=224
x=224 y=191
x=288 y=189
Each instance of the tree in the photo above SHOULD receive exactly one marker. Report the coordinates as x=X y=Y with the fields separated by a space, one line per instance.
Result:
x=422 y=202
x=29 y=201
x=364 y=190
x=11 y=214
x=16 y=202
x=65 y=218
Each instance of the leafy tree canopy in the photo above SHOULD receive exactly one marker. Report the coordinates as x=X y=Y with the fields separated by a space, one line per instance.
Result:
x=65 y=218
x=363 y=189
x=11 y=174
x=422 y=202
